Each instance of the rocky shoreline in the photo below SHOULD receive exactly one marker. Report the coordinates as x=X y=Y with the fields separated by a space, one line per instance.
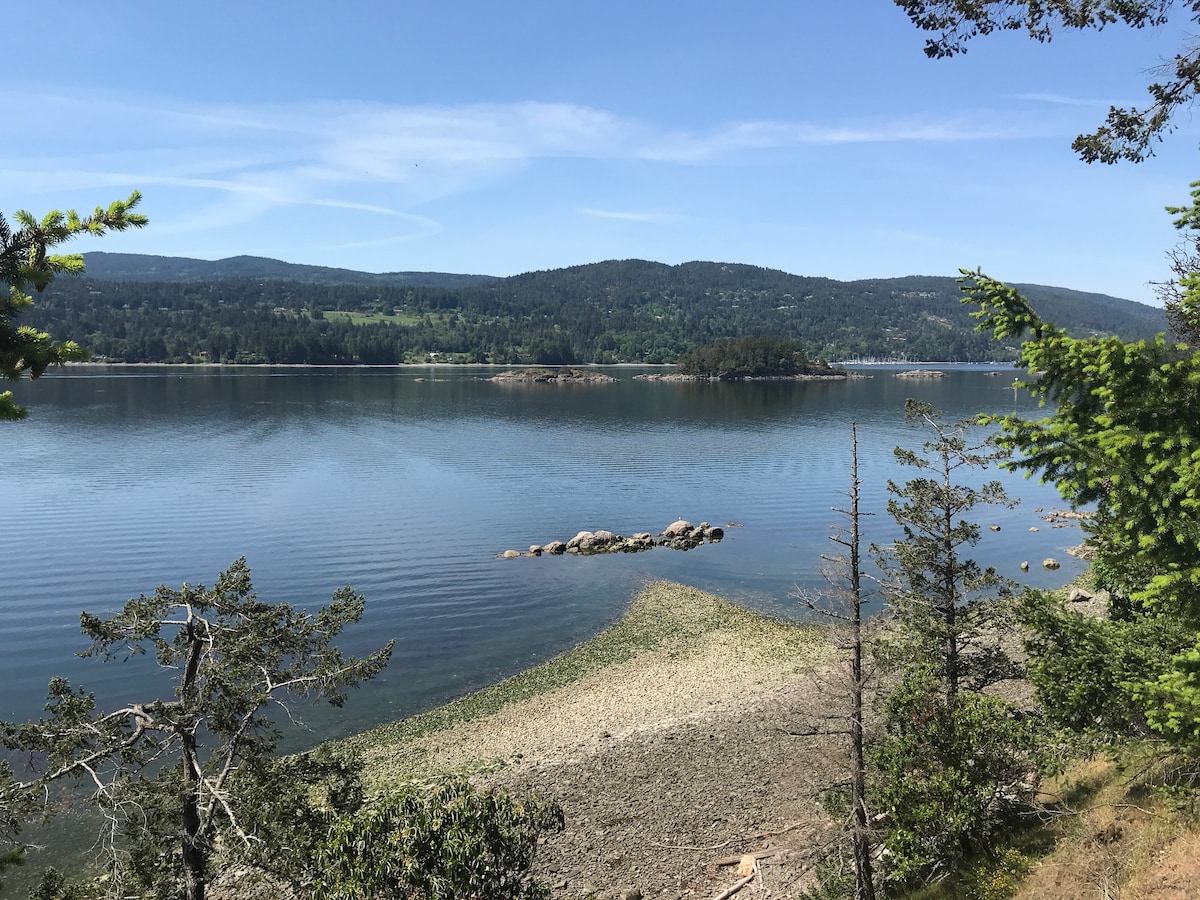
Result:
x=564 y=375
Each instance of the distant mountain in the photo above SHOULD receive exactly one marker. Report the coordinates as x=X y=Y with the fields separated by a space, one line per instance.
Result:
x=140 y=267
x=253 y=310
x=810 y=306
x=1088 y=312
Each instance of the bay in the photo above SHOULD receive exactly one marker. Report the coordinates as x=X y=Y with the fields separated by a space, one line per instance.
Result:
x=407 y=483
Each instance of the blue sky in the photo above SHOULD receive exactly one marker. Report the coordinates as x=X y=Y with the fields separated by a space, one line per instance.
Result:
x=811 y=136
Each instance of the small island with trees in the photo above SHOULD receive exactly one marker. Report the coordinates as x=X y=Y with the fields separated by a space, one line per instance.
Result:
x=750 y=359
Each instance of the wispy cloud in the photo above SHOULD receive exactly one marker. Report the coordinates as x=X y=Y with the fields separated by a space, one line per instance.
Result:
x=241 y=162
x=1062 y=100
x=649 y=218
x=733 y=142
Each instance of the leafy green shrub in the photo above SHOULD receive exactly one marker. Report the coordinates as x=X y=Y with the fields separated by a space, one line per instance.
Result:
x=1085 y=670
x=55 y=886
x=998 y=877
x=437 y=842
x=949 y=780
x=1172 y=701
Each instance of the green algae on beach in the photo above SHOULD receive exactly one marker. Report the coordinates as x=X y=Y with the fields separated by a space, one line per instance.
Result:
x=669 y=621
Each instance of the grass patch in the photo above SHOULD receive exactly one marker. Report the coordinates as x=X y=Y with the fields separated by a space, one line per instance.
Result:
x=1112 y=828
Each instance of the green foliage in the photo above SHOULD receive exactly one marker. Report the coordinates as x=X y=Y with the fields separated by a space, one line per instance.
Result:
x=290 y=803
x=950 y=776
x=1086 y=669
x=56 y=886
x=954 y=767
x=1172 y=700
x=230 y=656
x=182 y=270
x=25 y=262
x=14 y=856
x=749 y=357
x=1127 y=133
x=835 y=879
x=436 y=842
x=1123 y=434
x=17 y=806
x=1181 y=296
x=995 y=877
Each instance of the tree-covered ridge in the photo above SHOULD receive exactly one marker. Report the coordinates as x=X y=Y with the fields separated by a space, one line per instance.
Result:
x=618 y=311
x=143 y=267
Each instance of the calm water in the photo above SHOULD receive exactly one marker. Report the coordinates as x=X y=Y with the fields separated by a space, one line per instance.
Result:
x=406 y=484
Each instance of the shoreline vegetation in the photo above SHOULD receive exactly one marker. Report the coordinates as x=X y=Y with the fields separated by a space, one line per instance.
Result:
x=490 y=366
x=693 y=733
x=553 y=375
x=576 y=375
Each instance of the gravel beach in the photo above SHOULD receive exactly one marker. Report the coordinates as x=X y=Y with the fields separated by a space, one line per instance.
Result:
x=677 y=740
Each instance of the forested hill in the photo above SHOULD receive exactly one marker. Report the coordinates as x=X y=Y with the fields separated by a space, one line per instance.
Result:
x=139 y=267
x=264 y=311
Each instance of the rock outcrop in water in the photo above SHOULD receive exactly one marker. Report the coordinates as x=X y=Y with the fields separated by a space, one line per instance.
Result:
x=679 y=535
x=563 y=375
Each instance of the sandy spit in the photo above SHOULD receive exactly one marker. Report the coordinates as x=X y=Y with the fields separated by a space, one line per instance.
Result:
x=676 y=738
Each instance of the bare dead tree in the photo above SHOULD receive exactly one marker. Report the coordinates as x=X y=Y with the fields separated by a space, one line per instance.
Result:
x=844 y=604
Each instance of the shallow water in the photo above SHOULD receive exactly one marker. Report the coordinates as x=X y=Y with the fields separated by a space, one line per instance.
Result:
x=407 y=483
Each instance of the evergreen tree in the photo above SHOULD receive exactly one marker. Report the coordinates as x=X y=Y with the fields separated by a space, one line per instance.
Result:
x=954 y=765
x=26 y=262
x=1124 y=435
x=943 y=603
